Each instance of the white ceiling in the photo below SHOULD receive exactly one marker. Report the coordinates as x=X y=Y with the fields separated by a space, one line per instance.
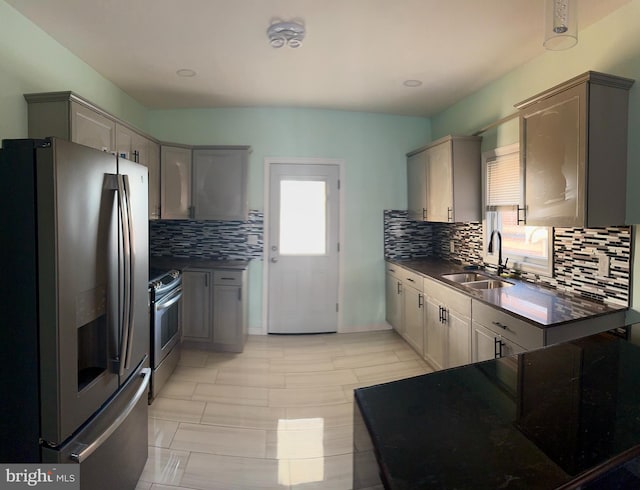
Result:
x=355 y=56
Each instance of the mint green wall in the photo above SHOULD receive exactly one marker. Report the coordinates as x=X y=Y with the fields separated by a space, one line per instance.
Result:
x=611 y=46
x=373 y=147
x=32 y=61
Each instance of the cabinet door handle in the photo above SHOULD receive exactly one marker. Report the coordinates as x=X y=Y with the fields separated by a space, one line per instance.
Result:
x=420 y=302
x=206 y=280
x=445 y=315
x=498 y=344
x=440 y=314
x=424 y=214
x=449 y=215
x=399 y=287
x=239 y=294
x=522 y=210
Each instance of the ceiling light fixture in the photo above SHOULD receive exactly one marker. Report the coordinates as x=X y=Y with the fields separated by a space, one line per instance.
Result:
x=186 y=72
x=289 y=33
x=412 y=83
x=561 y=24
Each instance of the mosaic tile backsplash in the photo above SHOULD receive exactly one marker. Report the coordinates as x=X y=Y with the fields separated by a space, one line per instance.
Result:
x=211 y=240
x=575 y=263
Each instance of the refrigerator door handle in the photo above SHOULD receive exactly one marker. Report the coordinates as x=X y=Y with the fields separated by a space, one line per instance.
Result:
x=130 y=277
x=89 y=449
x=126 y=293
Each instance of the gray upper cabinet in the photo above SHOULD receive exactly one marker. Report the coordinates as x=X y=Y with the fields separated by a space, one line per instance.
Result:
x=573 y=144
x=175 y=191
x=91 y=128
x=64 y=115
x=124 y=142
x=417 y=186
x=137 y=148
x=152 y=161
x=67 y=115
x=443 y=180
x=219 y=190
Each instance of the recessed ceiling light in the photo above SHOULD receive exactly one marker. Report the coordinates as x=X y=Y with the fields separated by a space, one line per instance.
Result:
x=186 y=72
x=412 y=83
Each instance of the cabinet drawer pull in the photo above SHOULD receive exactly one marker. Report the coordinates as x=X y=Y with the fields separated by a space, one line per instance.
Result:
x=501 y=325
x=228 y=278
x=410 y=280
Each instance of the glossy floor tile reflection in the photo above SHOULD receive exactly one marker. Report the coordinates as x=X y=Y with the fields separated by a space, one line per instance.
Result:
x=278 y=415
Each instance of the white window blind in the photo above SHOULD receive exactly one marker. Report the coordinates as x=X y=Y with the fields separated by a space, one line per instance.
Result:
x=503 y=180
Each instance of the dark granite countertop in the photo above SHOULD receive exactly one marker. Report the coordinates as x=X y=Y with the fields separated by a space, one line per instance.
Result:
x=185 y=263
x=534 y=421
x=543 y=306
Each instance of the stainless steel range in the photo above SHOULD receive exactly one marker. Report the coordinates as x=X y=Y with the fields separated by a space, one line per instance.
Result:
x=165 y=295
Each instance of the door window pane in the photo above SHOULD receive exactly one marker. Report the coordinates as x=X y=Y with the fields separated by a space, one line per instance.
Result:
x=303 y=229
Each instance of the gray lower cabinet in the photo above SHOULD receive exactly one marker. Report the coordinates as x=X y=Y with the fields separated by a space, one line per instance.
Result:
x=394 y=298
x=196 y=306
x=447 y=326
x=414 y=317
x=497 y=334
x=215 y=309
x=229 y=311
x=490 y=344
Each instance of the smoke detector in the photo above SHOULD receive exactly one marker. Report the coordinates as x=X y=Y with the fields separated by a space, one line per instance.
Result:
x=290 y=33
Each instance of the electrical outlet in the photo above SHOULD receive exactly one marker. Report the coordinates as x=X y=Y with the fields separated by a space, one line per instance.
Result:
x=452 y=246
x=603 y=265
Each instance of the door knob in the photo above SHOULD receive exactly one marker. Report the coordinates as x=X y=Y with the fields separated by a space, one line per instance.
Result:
x=274 y=259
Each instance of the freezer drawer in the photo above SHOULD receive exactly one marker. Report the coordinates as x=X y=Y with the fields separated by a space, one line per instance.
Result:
x=112 y=449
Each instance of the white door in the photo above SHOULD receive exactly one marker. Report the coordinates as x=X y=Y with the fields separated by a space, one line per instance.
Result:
x=303 y=248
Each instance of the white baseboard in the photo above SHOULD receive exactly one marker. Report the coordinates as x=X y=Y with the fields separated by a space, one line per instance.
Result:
x=349 y=329
x=365 y=328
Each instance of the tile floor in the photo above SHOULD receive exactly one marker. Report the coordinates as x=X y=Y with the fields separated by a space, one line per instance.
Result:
x=278 y=415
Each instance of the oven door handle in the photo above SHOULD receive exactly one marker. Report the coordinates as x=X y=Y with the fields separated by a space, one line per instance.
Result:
x=173 y=299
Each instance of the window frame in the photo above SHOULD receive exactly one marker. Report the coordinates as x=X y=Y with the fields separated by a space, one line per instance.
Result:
x=493 y=214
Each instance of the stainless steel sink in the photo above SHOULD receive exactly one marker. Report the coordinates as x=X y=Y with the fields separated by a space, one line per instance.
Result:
x=488 y=284
x=466 y=277
x=476 y=280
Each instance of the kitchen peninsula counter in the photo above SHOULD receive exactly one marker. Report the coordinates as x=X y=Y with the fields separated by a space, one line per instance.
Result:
x=550 y=418
x=542 y=306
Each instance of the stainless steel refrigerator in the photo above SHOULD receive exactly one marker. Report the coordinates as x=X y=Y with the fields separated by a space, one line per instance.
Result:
x=74 y=335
